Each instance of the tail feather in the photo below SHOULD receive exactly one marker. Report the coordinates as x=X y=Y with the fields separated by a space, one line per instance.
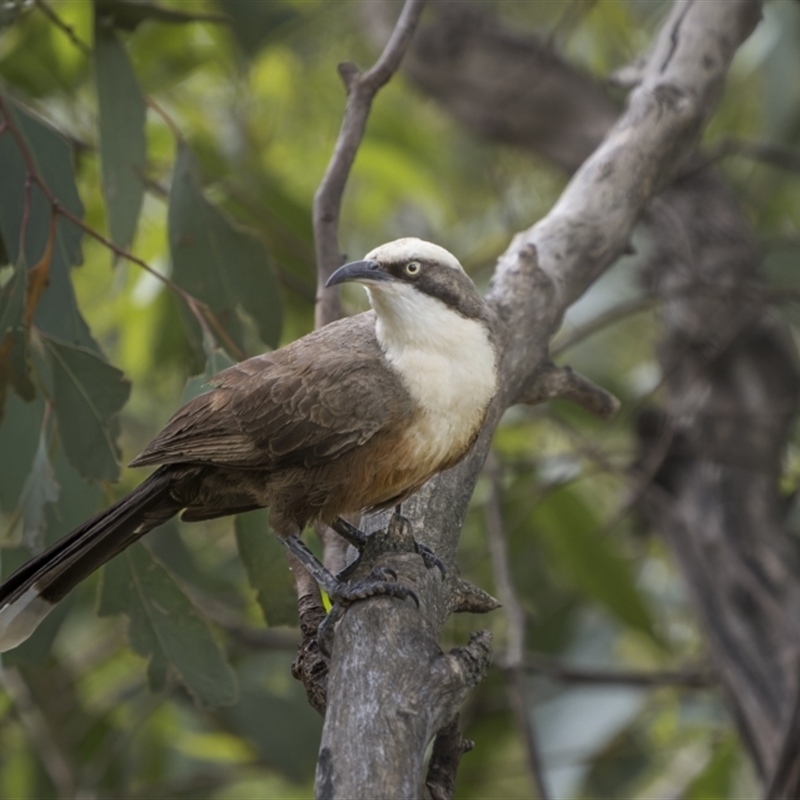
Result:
x=33 y=590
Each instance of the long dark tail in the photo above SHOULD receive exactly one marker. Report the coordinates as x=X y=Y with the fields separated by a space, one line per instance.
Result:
x=33 y=590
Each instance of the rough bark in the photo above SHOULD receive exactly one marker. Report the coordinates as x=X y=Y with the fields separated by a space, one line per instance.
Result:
x=732 y=388
x=385 y=655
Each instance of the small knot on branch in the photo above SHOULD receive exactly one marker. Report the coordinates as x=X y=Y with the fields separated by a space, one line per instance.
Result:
x=566 y=384
x=349 y=74
x=471 y=599
x=474 y=659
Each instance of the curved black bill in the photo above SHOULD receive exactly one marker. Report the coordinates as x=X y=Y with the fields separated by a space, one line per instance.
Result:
x=363 y=271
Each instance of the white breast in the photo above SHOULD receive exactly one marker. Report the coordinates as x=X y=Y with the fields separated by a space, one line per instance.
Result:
x=446 y=361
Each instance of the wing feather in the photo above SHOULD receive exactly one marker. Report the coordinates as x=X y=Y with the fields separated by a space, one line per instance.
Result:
x=305 y=403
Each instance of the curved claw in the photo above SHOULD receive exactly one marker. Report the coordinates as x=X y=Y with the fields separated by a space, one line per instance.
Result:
x=382 y=574
x=430 y=558
x=374 y=585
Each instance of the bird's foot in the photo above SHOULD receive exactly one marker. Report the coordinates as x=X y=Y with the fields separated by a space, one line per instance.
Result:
x=360 y=540
x=379 y=582
x=430 y=558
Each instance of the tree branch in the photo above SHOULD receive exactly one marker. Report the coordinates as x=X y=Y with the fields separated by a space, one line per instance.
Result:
x=361 y=91
x=544 y=270
x=552 y=668
x=44 y=7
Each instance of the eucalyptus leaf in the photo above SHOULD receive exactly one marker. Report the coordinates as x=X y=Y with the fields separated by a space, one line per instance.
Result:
x=14 y=366
x=57 y=312
x=214 y=260
x=166 y=628
x=568 y=529
x=88 y=392
x=267 y=570
x=217 y=360
x=121 y=120
x=19 y=435
x=40 y=490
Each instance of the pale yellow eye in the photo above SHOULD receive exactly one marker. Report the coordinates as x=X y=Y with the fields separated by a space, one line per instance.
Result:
x=413 y=268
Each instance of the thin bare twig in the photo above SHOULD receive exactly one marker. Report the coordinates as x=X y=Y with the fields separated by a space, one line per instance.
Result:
x=62 y=26
x=682 y=678
x=168 y=121
x=515 y=644
x=620 y=312
x=361 y=91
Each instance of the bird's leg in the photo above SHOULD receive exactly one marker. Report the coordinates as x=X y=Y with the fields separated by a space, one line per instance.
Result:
x=356 y=537
x=339 y=591
x=342 y=593
x=350 y=533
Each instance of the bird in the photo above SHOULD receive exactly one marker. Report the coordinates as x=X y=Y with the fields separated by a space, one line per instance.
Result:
x=353 y=417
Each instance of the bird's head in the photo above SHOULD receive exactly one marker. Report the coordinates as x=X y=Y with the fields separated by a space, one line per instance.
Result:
x=412 y=281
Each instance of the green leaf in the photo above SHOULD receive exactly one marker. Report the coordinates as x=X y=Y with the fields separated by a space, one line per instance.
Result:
x=57 y=311
x=267 y=570
x=79 y=500
x=291 y=747
x=123 y=148
x=14 y=366
x=166 y=627
x=19 y=434
x=128 y=14
x=218 y=262
x=568 y=530
x=40 y=489
x=216 y=361
x=88 y=392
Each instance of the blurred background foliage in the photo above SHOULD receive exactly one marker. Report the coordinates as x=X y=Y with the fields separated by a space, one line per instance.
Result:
x=198 y=143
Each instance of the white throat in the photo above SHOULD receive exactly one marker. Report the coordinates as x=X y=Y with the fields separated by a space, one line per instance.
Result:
x=446 y=361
